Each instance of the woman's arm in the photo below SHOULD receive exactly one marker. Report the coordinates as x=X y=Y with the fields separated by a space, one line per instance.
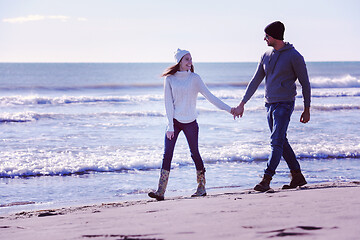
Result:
x=211 y=97
x=169 y=104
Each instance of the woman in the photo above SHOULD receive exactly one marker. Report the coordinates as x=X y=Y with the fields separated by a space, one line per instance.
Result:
x=181 y=88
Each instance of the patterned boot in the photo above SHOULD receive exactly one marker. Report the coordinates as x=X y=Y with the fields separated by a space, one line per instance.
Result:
x=159 y=194
x=200 y=192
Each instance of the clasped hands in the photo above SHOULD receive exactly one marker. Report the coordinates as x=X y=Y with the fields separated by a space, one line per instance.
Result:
x=238 y=111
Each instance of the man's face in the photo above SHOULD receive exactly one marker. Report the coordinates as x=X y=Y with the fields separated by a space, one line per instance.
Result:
x=269 y=40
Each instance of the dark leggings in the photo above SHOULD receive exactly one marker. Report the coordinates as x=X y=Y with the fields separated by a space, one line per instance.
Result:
x=191 y=131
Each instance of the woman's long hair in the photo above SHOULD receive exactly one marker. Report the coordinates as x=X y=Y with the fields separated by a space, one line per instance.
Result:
x=173 y=69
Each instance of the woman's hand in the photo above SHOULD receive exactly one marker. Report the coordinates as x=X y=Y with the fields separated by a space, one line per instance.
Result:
x=170 y=134
x=238 y=111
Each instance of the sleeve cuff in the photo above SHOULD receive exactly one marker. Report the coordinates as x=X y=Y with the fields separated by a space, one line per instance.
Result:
x=170 y=128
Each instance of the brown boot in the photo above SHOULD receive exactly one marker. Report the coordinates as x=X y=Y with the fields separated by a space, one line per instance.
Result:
x=297 y=180
x=264 y=185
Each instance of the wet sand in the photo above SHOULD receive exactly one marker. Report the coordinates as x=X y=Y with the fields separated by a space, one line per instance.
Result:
x=317 y=211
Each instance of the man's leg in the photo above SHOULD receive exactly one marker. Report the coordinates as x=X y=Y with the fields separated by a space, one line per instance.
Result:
x=289 y=156
x=279 y=115
x=297 y=178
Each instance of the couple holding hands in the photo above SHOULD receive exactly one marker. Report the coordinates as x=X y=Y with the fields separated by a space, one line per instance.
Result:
x=280 y=67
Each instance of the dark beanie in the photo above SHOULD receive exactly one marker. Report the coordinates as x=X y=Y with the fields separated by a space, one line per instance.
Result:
x=276 y=30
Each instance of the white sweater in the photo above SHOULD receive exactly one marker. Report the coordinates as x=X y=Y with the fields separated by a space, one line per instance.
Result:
x=180 y=93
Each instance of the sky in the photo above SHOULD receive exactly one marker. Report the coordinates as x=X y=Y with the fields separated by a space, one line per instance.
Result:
x=151 y=30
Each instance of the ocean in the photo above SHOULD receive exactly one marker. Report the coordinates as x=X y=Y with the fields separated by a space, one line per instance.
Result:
x=88 y=133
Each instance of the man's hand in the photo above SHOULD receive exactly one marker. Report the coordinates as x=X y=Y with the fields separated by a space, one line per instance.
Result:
x=238 y=111
x=305 y=116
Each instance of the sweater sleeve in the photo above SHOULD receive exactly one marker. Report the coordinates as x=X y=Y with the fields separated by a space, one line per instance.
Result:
x=211 y=97
x=255 y=82
x=299 y=67
x=169 y=104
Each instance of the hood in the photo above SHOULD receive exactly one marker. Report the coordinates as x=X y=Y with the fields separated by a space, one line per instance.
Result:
x=285 y=48
x=276 y=54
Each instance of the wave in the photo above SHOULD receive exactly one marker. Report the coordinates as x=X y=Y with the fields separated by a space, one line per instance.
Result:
x=32 y=100
x=331 y=107
x=80 y=88
x=335 y=94
x=38 y=100
x=67 y=163
x=109 y=87
x=346 y=81
x=24 y=117
x=30 y=116
x=336 y=107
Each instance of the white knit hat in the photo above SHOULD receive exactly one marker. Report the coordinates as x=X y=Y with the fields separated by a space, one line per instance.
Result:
x=179 y=54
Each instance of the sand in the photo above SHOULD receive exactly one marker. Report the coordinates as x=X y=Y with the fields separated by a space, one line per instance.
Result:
x=316 y=211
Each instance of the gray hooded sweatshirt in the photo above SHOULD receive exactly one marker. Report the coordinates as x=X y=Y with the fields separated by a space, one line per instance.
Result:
x=281 y=68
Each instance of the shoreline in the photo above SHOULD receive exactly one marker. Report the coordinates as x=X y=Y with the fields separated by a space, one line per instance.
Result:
x=316 y=211
x=127 y=203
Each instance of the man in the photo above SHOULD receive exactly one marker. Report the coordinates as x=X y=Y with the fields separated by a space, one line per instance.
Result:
x=280 y=67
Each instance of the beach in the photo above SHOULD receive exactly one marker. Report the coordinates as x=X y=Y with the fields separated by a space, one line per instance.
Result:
x=328 y=210
x=86 y=133
x=87 y=100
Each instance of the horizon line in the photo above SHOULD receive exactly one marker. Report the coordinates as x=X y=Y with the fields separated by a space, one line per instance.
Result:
x=74 y=62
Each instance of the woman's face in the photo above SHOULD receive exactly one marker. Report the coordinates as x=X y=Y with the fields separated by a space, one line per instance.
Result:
x=186 y=62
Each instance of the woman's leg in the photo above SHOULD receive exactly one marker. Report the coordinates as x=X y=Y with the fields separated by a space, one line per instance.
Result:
x=169 y=147
x=166 y=164
x=191 y=131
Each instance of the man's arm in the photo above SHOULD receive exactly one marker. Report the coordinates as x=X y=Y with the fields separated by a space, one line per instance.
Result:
x=302 y=75
x=255 y=82
x=250 y=90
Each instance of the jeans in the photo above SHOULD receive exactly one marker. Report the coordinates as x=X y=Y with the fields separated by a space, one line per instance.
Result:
x=278 y=116
x=191 y=131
